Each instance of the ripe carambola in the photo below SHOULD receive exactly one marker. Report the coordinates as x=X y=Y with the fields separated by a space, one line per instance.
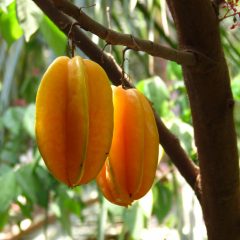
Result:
x=74 y=119
x=130 y=168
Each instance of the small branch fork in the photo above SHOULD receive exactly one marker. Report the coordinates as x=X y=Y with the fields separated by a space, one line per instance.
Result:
x=116 y=38
x=169 y=142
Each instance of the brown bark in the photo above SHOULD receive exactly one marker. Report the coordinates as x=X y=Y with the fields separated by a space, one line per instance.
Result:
x=211 y=101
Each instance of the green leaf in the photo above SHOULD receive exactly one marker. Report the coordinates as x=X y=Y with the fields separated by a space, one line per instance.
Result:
x=156 y=91
x=29 y=120
x=134 y=221
x=8 y=190
x=3 y=219
x=26 y=181
x=64 y=204
x=26 y=208
x=35 y=183
x=4 y=169
x=10 y=28
x=174 y=71
x=1 y=123
x=9 y=156
x=235 y=85
x=10 y=74
x=12 y=148
x=12 y=119
x=237 y=121
x=114 y=210
x=29 y=16
x=163 y=198
x=43 y=184
x=69 y=201
x=55 y=38
x=181 y=103
x=184 y=132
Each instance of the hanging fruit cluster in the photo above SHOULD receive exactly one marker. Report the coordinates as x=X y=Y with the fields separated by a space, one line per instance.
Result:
x=86 y=130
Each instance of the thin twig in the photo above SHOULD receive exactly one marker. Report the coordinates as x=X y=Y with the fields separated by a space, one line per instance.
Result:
x=227 y=16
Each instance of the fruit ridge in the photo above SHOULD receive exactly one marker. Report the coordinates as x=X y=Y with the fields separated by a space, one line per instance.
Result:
x=129 y=170
x=74 y=119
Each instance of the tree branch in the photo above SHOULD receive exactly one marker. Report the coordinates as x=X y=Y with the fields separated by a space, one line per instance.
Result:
x=115 y=38
x=172 y=147
x=169 y=142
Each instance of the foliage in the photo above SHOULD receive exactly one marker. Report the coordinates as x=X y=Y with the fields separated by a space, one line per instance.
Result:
x=29 y=41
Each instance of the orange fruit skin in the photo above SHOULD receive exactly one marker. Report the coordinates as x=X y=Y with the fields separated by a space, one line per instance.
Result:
x=74 y=119
x=130 y=168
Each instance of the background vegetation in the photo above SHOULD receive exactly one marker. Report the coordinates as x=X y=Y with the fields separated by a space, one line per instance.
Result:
x=29 y=41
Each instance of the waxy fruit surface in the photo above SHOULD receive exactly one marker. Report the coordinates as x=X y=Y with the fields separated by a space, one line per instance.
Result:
x=130 y=168
x=74 y=119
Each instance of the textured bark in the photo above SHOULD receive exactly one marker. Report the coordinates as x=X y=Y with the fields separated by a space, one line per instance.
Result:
x=211 y=101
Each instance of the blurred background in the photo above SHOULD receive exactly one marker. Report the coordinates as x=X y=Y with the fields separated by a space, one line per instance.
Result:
x=33 y=205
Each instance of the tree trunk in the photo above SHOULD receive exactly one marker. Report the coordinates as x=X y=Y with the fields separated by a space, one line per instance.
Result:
x=211 y=101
